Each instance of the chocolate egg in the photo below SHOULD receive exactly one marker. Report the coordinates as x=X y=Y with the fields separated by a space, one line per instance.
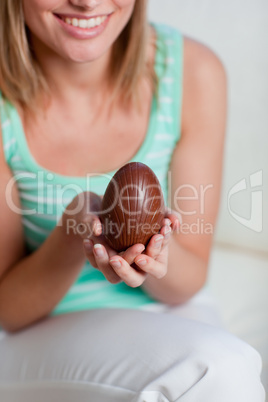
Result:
x=132 y=207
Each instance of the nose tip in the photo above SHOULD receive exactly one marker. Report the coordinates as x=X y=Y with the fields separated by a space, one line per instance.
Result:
x=86 y=4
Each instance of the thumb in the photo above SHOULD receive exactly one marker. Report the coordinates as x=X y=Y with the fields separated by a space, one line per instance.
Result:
x=89 y=227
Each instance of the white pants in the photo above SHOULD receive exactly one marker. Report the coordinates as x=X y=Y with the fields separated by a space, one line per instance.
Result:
x=128 y=355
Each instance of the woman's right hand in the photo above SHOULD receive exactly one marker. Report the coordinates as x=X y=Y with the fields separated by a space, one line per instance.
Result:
x=81 y=220
x=81 y=217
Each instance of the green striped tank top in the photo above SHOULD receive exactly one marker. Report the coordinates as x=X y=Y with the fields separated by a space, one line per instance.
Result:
x=44 y=194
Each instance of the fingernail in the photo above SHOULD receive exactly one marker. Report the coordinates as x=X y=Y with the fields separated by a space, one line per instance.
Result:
x=97 y=228
x=158 y=242
x=115 y=263
x=141 y=262
x=98 y=250
x=167 y=232
x=140 y=249
x=88 y=244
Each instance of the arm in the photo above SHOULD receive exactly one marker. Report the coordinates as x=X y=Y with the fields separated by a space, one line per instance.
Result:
x=175 y=268
x=197 y=165
x=31 y=286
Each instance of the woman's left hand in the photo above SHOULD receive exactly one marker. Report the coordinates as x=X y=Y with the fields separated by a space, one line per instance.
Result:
x=154 y=260
x=133 y=265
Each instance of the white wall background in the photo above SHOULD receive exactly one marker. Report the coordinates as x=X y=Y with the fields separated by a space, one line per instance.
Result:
x=237 y=31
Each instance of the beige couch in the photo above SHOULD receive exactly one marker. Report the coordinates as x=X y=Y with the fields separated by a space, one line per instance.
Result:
x=237 y=30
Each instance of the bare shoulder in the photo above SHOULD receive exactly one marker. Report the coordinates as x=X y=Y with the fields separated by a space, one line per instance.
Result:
x=198 y=158
x=200 y=61
x=204 y=84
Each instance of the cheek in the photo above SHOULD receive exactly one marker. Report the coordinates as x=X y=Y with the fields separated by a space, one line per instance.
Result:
x=37 y=15
x=34 y=8
x=41 y=4
x=125 y=8
x=125 y=3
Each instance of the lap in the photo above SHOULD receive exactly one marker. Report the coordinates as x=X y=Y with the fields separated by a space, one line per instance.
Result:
x=116 y=354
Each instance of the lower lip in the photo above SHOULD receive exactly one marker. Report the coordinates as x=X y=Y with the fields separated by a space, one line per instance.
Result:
x=83 y=33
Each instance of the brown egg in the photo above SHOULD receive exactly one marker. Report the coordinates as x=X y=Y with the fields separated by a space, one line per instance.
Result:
x=132 y=207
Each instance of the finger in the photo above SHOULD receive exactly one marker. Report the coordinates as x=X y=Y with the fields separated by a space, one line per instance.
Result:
x=129 y=275
x=166 y=232
x=175 y=222
x=96 y=227
x=151 y=266
x=166 y=222
x=102 y=260
x=101 y=240
x=175 y=219
x=154 y=246
x=88 y=249
x=132 y=252
x=89 y=226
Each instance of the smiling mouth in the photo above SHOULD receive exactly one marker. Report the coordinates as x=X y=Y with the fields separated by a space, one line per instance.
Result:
x=84 y=23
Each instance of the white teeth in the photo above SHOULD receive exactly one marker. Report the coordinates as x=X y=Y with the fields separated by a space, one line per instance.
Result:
x=74 y=22
x=85 y=23
x=82 y=23
x=91 y=23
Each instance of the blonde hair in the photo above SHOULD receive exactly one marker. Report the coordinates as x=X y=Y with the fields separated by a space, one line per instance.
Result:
x=21 y=78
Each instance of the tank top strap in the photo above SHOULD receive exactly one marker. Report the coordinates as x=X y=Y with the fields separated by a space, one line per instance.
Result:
x=169 y=69
x=9 y=127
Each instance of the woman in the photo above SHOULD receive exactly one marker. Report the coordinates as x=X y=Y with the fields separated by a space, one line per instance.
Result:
x=87 y=86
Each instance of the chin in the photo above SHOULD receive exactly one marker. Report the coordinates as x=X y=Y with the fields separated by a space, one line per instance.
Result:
x=80 y=59
x=84 y=55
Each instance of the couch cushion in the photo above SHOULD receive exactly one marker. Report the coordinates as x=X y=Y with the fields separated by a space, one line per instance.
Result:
x=239 y=280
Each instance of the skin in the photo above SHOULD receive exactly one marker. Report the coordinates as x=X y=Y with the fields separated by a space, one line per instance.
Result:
x=40 y=18
x=176 y=266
